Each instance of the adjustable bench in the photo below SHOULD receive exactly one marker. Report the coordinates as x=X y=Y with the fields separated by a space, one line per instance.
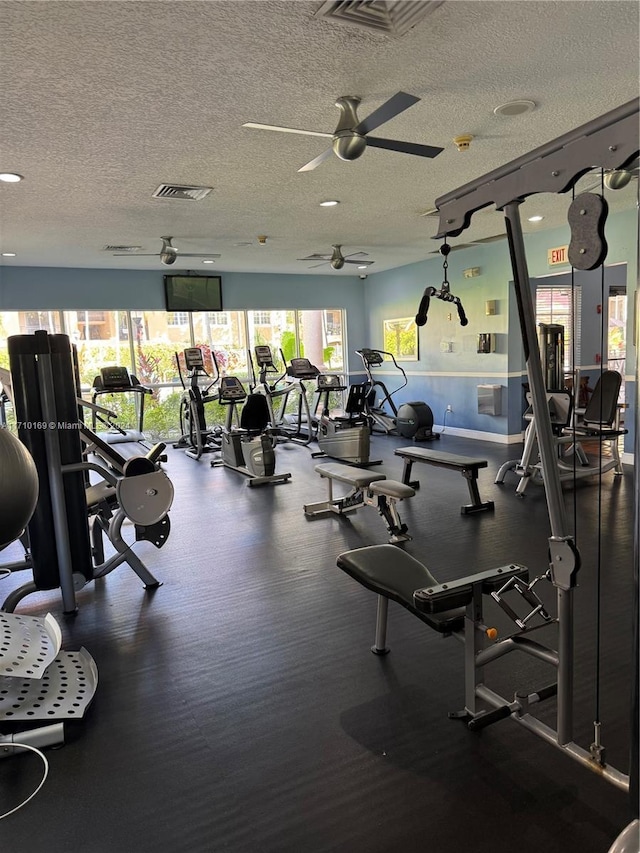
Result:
x=453 y=609
x=368 y=488
x=467 y=466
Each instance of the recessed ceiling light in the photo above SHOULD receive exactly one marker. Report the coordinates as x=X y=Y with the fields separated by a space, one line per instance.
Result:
x=329 y=203
x=10 y=177
x=515 y=108
x=536 y=218
x=362 y=267
x=208 y=262
x=8 y=254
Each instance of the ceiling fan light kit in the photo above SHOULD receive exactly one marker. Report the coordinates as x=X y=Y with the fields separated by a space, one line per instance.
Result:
x=617 y=179
x=337 y=260
x=351 y=136
x=168 y=254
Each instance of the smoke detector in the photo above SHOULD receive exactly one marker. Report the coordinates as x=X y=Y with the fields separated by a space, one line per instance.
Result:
x=463 y=141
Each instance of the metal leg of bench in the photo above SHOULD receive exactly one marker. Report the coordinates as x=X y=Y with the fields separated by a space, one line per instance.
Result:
x=406 y=474
x=387 y=508
x=477 y=505
x=380 y=645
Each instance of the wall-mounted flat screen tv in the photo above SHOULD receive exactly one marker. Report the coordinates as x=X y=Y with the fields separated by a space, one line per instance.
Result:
x=193 y=292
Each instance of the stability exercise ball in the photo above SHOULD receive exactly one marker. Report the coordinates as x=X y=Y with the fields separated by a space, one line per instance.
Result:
x=18 y=487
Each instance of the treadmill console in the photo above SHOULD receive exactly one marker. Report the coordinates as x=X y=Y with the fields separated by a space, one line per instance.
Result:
x=113 y=378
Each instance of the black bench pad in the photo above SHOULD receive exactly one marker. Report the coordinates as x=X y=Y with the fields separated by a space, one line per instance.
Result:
x=435 y=457
x=388 y=571
x=466 y=465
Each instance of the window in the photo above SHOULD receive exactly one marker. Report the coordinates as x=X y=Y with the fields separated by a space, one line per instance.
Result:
x=554 y=305
x=177 y=318
x=218 y=318
x=146 y=343
x=320 y=336
x=228 y=340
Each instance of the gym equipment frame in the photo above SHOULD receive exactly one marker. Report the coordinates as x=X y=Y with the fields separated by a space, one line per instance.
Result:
x=608 y=142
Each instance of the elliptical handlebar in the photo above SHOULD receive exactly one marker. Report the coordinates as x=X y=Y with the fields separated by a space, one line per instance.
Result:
x=374 y=358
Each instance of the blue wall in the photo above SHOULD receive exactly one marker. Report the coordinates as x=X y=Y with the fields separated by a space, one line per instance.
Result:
x=438 y=377
x=25 y=288
x=441 y=378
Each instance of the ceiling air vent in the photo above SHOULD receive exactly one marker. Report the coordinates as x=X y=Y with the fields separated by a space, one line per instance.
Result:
x=388 y=17
x=182 y=192
x=121 y=248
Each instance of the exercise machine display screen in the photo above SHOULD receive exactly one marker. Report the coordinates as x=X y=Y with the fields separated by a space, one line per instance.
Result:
x=193 y=358
x=263 y=355
x=115 y=377
x=231 y=388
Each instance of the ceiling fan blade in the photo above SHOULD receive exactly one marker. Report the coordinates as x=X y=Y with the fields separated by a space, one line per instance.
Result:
x=275 y=127
x=136 y=255
x=314 y=266
x=356 y=254
x=316 y=258
x=398 y=103
x=312 y=164
x=192 y=255
x=404 y=147
x=360 y=263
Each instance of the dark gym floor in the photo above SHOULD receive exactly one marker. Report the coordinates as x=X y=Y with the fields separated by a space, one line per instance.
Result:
x=240 y=709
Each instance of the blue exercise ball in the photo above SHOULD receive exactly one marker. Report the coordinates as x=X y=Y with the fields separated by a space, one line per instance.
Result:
x=18 y=487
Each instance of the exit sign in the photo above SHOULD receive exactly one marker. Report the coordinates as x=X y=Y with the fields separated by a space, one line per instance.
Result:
x=559 y=255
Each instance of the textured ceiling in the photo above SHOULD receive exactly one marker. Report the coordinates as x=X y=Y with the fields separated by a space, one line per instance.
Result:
x=104 y=101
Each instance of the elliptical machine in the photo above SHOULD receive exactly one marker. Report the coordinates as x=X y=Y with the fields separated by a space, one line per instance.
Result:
x=298 y=427
x=246 y=445
x=196 y=438
x=412 y=420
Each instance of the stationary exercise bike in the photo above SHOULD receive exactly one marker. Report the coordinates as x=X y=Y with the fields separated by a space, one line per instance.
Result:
x=196 y=438
x=246 y=443
x=412 y=420
x=343 y=436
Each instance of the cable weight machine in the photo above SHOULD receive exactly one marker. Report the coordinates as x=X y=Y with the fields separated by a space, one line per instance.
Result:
x=610 y=142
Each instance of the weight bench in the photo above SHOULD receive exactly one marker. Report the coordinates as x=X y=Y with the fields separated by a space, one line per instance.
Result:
x=455 y=609
x=467 y=466
x=367 y=489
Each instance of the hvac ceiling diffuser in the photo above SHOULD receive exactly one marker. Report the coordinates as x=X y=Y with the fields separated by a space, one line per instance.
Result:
x=387 y=17
x=182 y=192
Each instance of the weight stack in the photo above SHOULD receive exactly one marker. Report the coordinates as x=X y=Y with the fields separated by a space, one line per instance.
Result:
x=30 y=356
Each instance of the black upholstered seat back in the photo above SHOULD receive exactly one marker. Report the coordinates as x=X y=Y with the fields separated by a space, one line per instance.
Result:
x=255 y=414
x=601 y=410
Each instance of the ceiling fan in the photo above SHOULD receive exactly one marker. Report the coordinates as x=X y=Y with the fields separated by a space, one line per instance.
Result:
x=168 y=254
x=337 y=259
x=350 y=138
x=617 y=179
